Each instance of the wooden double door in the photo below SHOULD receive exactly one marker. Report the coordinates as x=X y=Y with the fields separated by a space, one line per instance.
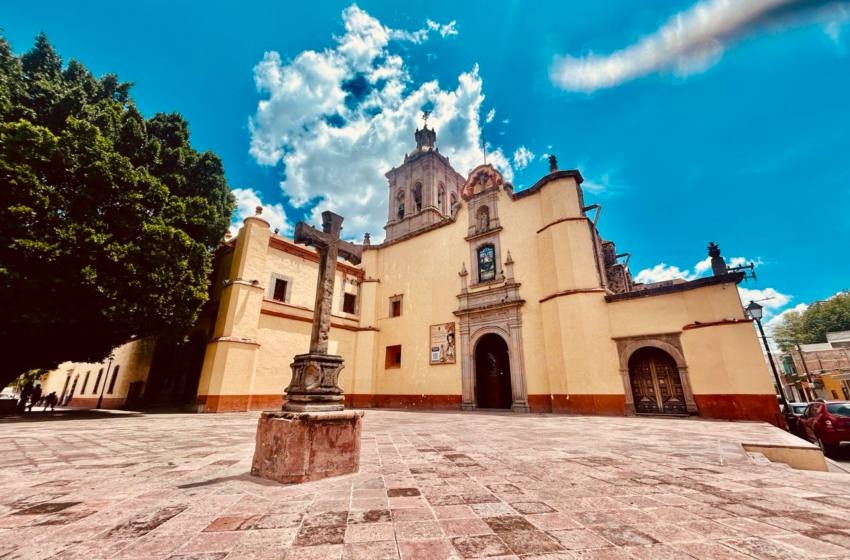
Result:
x=656 y=383
x=492 y=373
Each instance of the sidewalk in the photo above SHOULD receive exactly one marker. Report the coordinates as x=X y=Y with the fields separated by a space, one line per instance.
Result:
x=432 y=485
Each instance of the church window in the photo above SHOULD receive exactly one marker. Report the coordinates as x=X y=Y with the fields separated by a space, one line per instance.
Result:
x=395 y=306
x=454 y=201
x=441 y=199
x=97 y=381
x=486 y=263
x=417 y=197
x=113 y=380
x=280 y=286
x=400 y=205
x=85 y=382
x=483 y=219
x=393 y=357
x=349 y=302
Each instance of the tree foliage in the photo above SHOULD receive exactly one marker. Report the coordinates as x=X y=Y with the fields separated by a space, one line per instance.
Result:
x=107 y=219
x=811 y=325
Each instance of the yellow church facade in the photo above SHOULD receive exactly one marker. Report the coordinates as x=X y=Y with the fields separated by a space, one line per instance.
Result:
x=480 y=297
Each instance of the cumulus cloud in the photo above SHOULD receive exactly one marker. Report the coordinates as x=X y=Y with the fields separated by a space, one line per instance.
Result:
x=247 y=201
x=522 y=157
x=769 y=298
x=662 y=272
x=338 y=119
x=688 y=42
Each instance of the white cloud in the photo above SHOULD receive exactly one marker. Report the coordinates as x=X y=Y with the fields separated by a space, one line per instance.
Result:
x=662 y=272
x=777 y=319
x=688 y=42
x=491 y=114
x=522 y=157
x=445 y=30
x=340 y=118
x=769 y=298
x=247 y=201
x=601 y=183
x=703 y=266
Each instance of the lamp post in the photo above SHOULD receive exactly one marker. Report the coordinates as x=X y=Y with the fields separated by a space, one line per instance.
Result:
x=105 y=380
x=755 y=312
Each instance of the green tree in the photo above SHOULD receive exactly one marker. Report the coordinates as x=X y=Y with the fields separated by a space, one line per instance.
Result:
x=811 y=325
x=107 y=219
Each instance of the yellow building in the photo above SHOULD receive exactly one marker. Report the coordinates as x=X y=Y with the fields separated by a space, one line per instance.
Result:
x=479 y=297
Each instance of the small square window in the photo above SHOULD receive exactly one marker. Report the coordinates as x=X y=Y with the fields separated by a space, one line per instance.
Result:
x=348 y=303
x=280 y=289
x=395 y=306
x=393 y=359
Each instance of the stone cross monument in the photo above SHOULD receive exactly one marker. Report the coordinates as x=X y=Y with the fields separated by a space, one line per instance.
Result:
x=314 y=375
x=313 y=437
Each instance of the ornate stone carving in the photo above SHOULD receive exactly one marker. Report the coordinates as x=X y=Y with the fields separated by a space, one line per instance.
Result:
x=314 y=383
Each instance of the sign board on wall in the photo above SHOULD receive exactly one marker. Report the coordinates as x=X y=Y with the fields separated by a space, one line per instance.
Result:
x=443 y=343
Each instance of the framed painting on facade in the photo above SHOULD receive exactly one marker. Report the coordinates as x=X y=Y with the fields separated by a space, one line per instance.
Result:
x=443 y=343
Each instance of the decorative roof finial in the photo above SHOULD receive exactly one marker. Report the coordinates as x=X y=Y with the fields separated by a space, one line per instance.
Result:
x=553 y=163
x=259 y=210
x=718 y=264
x=425 y=115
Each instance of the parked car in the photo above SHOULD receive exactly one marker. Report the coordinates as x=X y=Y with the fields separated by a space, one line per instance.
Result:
x=793 y=414
x=827 y=423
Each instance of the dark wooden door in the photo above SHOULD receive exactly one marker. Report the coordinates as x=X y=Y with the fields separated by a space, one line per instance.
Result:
x=656 y=383
x=492 y=373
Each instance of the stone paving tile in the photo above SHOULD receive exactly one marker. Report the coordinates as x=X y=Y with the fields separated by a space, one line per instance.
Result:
x=431 y=485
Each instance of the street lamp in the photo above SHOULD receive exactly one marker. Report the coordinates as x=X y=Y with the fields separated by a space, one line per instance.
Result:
x=754 y=311
x=103 y=386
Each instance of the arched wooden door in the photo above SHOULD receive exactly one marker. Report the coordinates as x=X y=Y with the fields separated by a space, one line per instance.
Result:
x=492 y=373
x=656 y=383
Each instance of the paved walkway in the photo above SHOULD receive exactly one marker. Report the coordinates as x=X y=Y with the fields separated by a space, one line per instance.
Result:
x=431 y=486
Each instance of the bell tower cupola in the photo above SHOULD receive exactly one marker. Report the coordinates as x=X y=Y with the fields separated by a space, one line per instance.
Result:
x=426 y=139
x=424 y=190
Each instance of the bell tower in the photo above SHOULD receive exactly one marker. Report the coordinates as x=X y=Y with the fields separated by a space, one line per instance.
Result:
x=423 y=190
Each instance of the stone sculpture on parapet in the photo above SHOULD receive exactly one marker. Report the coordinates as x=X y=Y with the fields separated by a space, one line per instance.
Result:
x=313 y=437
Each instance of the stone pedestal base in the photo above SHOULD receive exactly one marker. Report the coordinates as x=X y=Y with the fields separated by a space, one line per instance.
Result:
x=297 y=447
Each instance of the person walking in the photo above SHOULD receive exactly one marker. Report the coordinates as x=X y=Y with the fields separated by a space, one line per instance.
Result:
x=50 y=400
x=35 y=397
x=26 y=392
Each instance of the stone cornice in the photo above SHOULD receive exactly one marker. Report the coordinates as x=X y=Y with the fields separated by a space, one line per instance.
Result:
x=572 y=292
x=288 y=247
x=574 y=173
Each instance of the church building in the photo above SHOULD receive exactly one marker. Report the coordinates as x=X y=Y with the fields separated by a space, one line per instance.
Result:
x=479 y=297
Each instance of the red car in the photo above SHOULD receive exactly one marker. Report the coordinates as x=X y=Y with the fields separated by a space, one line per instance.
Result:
x=826 y=423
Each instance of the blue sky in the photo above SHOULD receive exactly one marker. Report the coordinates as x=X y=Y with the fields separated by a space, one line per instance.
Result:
x=692 y=121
